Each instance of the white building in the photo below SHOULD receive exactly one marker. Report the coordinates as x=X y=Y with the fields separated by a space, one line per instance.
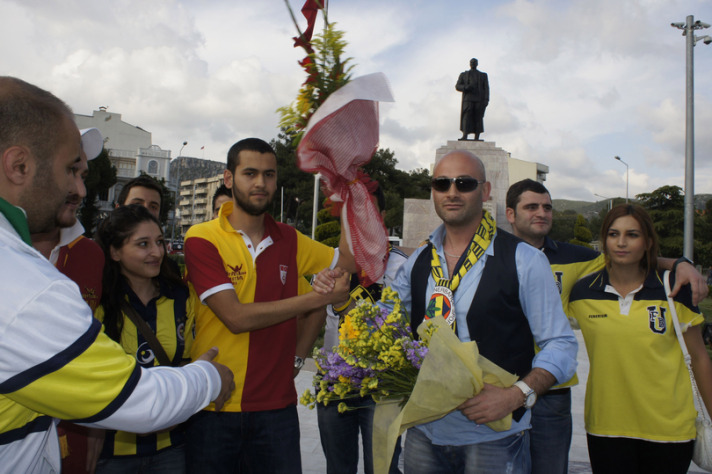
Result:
x=130 y=150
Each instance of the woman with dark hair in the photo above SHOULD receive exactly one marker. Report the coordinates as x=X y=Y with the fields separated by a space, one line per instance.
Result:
x=145 y=308
x=639 y=411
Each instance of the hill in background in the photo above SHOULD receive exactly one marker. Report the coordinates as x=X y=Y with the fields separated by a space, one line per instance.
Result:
x=588 y=208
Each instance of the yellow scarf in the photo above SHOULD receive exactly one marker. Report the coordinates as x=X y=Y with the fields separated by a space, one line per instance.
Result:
x=442 y=301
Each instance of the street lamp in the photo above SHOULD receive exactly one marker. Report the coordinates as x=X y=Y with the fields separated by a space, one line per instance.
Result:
x=610 y=202
x=626 y=177
x=177 y=203
x=690 y=40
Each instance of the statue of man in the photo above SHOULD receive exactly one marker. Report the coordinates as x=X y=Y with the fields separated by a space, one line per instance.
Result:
x=475 y=96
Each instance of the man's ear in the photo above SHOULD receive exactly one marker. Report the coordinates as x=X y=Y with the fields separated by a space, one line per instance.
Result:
x=17 y=164
x=510 y=215
x=227 y=179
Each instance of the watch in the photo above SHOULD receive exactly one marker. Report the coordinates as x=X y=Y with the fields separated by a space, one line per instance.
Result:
x=529 y=394
x=679 y=261
x=298 y=362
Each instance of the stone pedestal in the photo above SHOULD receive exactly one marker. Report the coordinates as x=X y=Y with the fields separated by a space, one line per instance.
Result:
x=419 y=218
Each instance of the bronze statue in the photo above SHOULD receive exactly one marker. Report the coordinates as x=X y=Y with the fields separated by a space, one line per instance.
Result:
x=475 y=96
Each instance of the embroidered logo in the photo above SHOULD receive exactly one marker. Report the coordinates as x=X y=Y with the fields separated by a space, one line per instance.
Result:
x=656 y=319
x=235 y=273
x=559 y=277
x=144 y=355
x=283 y=273
x=597 y=316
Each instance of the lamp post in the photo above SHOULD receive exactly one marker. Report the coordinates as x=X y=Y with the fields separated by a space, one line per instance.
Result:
x=688 y=29
x=626 y=177
x=315 y=207
x=610 y=202
x=176 y=205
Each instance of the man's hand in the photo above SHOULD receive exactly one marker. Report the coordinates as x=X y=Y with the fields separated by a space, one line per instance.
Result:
x=324 y=281
x=226 y=378
x=492 y=403
x=686 y=273
x=342 y=286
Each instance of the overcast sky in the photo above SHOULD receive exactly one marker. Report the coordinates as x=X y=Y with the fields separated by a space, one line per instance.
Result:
x=573 y=82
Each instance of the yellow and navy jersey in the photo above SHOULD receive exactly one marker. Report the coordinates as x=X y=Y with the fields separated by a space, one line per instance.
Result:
x=638 y=384
x=171 y=317
x=569 y=263
x=219 y=258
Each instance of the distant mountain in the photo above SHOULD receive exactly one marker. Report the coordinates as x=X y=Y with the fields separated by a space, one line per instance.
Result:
x=194 y=168
x=587 y=207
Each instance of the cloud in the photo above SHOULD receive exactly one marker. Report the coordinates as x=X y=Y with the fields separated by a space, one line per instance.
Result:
x=573 y=83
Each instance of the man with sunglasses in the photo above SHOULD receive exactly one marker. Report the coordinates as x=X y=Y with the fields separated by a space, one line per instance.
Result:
x=497 y=290
x=530 y=211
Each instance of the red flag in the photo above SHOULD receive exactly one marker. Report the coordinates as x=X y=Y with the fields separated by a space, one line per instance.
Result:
x=309 y=11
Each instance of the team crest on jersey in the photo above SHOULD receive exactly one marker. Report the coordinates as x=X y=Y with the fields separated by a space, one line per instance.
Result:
x=559 y=277
x=144 y=355
x=236 y=273
x=656 y=319
x=283 y=273
x=179 y=332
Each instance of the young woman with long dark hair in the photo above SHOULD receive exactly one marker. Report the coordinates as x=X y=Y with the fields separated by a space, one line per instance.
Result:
x=138 y=283
x=639 y=411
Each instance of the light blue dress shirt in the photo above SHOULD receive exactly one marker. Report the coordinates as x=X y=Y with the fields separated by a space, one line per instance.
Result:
x=541 y=303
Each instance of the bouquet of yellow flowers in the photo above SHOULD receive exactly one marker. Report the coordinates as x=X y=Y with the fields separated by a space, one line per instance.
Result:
x=412 y=381
x=377 y=356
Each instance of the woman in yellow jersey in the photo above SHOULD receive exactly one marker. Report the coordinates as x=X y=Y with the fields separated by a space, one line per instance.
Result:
x=639 y=412
x=137 y=280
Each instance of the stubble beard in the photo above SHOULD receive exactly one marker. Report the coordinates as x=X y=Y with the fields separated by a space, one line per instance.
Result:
x=248 y=207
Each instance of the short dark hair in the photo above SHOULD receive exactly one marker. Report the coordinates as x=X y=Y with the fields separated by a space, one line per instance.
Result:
x=650 y=259
x=143 y=181
x=516 y=190
x=248 y=144
x=222 y=191
x=31 y=116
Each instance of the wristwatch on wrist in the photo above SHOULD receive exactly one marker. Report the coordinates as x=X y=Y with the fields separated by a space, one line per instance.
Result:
x=681 y=260
x=529 y=394
x=298 y=362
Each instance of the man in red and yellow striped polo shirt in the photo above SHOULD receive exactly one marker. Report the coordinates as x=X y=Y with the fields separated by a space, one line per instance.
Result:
x=245 y=269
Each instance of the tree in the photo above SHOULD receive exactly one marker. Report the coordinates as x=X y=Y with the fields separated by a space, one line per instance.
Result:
x=562 y=228
x=582 y=234
x=298 y=186
x=666 y=208
x=101 y=177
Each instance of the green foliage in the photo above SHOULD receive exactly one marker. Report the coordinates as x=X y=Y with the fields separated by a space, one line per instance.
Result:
x=101 y=176
x=562 y=228
x=328 y=230
x=326 y=72
x=582 y=234
x=331 y=241
x=298 y=186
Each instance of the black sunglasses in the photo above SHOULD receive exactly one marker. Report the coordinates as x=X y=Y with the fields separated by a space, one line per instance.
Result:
x=463 y=185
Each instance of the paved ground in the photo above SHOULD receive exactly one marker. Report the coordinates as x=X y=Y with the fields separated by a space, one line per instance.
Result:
x=313 y=457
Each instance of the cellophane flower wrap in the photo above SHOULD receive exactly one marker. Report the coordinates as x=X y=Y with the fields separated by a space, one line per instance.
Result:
x=412 y=381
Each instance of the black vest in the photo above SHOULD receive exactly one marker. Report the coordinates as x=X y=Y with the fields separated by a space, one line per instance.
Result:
x=495 y=319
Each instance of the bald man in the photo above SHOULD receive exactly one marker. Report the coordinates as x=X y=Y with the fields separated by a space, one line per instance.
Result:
x=502 y=297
